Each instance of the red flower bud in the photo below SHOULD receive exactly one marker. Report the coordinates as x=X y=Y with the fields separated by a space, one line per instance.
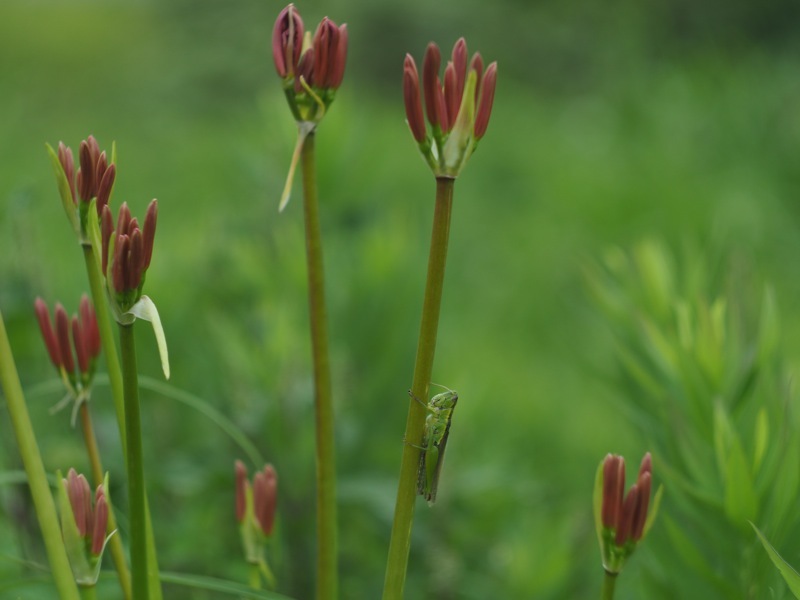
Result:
x=265 y=498
x=100 y=522
x=150 y=231
x=241 y=490
x=79 y=342
x=430 y=83
x=625 y=526
x=325 y=41
x=640 y=516
x=123 y=219
x=50 y=341
x=339 y=59
x=613 y=490
x=80 y=498
x=89 y=327
x=485 y=103
x=135 y=259
x=119 y=269
x=460 y=67
x=452 y=99
x=68 y=164
x=105 y=186
x=476 y=64
x=287 y=41
x=106 y=229
x=88 y=155
x=62 y=332
x=416 y=120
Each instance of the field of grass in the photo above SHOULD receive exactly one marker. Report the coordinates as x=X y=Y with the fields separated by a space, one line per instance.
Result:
x=696 y=149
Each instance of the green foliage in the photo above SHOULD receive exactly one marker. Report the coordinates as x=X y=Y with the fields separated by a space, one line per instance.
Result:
x=791 y=576
x=701 y=373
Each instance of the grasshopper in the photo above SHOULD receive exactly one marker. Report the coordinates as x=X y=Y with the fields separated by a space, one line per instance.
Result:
x=434 y=441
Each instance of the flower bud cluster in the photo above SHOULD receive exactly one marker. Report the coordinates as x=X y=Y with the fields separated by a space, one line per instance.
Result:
x=256 y=504
x=83 y=525
x=77 y=369
x=312 y=69
x=126 y=251
x=623 y=517
x=93 y=179
x=457 y=110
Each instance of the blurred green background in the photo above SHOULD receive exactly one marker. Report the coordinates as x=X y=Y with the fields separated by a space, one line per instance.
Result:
x=612 y=122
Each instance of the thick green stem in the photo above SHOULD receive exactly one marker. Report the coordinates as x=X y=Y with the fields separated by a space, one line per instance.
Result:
x=88 y=592
x=327 y=577
x=136 y=489
x=426 y=348
x=115 y=543
x=34 y=467
x=97 y=286
x=609 y=581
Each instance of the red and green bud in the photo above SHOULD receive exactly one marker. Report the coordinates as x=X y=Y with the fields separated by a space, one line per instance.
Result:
x=622 y=520
x=256 y=506
x=68 y=164
x=126 y=253
x=312 y=69
x=458 y=110
x=93 y=181
x=287 y=41
x=416 y=120
x=265 y=498
x=81 y=333
x=83 y=525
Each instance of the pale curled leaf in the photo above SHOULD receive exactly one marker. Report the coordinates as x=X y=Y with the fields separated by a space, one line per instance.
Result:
x=303 y=129
x=146 y=309
x=458 y=146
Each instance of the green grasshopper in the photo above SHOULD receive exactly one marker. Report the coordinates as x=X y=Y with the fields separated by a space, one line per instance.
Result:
x=434 y=441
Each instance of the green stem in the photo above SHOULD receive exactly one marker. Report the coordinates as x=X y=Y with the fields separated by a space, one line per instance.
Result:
x=609 y=581
x=327 y=582
x=136 y=490
x=37 y=478
x=97 y=286
x=88 y=592
x=115 y=543
x=107 y=338
x=426 y=348
x=255 y=577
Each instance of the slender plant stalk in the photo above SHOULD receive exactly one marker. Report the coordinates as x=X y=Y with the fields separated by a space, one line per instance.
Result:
x=88 y=592
x=426 y=348
x=136 y=488
x=609 y=581
x=115 y=543
x=327 y=577
x=37 y=478
x=107 y=339
x=117 y=393
x=255 y=577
